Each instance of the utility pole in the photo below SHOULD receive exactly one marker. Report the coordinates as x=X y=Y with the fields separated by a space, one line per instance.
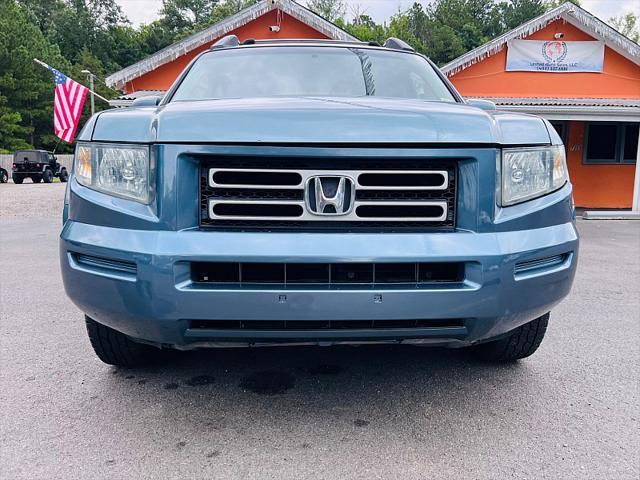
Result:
x=90 y=77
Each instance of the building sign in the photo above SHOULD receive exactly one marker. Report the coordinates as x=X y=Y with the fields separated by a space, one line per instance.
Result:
x=554 y=56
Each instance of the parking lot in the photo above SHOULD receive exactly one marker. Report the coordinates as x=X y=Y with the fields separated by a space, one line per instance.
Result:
x=569 y=411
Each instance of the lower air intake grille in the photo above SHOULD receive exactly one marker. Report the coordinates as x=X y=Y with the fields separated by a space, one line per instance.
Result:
x=540 y=263
x=108 y=264
x=247 y=274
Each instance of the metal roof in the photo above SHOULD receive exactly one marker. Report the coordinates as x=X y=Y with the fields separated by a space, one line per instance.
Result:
x=584 y=109
x=566 y=102
x=569 y=12
x=217 y=30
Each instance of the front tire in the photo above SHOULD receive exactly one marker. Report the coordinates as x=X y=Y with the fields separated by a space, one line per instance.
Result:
x=115 y=348
x=521 y=343
x=4 y=176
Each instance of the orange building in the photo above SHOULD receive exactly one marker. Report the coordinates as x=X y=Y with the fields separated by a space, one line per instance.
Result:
x=596 y=113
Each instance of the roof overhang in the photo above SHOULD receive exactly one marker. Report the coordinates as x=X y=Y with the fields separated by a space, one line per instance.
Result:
x=569 y=12
x=119 y=79
x=583 y=109
x=577 y=113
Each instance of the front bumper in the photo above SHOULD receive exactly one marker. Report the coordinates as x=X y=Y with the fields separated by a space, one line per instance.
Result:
x=156 y=302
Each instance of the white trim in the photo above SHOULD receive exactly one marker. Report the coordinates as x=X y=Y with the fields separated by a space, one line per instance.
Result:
x=168 y=54
x=586 y=114
x=636 y=181
x=569 y=12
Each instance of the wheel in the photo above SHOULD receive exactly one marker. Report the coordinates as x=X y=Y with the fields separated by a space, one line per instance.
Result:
x=36 y=178
x=17 y=178
x=64 y=175
x=116 y=348
x=4 y=176
x=47 y=176
x=521 y=343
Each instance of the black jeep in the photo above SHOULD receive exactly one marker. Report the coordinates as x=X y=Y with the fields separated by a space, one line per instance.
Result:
x=37 y=164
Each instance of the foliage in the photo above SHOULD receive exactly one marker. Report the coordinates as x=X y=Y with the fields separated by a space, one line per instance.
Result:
x=332 y=10
x=95 y=35
x=26 y=101
x=628 y=25
x=183 y=17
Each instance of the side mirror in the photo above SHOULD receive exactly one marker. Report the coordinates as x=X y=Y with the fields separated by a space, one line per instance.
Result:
x=150 y=101
x=482 y=104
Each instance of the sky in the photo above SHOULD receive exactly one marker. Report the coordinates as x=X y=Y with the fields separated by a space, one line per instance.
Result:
x=145 y=11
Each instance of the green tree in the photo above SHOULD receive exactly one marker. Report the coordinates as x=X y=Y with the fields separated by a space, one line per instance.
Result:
x=332 y=10
x=26 y=89
x=153 y=37
x=227 y=8
x=362 y=26
x=556 y=3
x=517 y=12
x=628 y=25
x=86 y=24
x=179 y=18
x=183 y=16
x=12 y=133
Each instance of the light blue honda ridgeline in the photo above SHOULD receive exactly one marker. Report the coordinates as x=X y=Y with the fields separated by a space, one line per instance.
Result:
x=316 y=192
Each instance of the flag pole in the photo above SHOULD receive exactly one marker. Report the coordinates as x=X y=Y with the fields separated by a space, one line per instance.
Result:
x=88 y=89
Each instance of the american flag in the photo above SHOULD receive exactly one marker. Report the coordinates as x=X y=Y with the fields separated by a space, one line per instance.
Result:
x=67 y=105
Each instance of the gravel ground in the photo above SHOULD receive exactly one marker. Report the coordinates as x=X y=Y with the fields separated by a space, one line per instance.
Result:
x=31 y=200
x=568 y=412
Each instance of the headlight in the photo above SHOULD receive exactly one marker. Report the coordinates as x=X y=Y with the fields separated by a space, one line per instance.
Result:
x=121 y=170
x=529 y=173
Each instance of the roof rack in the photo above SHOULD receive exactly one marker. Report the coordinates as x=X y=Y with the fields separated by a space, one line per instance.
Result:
x=233 y=41
x=397 y=44
x=310 y=40
x=226 y=42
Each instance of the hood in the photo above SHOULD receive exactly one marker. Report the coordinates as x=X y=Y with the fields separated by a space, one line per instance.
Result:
x=317 y=121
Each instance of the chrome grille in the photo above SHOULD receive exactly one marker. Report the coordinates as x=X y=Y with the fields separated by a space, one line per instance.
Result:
x=259 y=194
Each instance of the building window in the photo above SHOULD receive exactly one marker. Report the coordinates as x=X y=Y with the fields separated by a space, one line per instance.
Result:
x=611 y=143
x=561 y=128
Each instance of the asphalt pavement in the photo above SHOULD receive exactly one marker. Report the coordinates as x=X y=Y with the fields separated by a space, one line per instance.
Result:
x=568 y=412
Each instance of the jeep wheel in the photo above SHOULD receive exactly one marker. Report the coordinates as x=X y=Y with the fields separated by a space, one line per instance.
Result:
x=47 y=176
x=36 y=179
x=4 y=176
x=521 y=343
x=115 y=348
x=64 y=175
x=17 y=178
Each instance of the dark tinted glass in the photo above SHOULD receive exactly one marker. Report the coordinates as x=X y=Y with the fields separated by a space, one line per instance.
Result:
x=560 y=128
x=601 y=143
x=292 y=71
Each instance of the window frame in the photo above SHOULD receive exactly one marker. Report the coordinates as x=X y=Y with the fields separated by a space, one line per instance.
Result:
x=623 y=139
x=618 y=159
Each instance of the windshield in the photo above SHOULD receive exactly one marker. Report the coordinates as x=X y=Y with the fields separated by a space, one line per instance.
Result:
x=293 y=71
